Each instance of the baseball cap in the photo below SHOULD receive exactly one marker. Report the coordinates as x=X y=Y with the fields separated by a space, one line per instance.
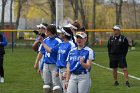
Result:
x=81 y=34
x=116 y=27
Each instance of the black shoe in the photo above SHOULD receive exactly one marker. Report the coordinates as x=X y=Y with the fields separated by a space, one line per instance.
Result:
x=127 y=84
x=116 y=83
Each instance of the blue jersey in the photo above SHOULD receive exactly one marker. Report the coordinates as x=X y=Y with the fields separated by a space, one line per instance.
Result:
x=63 y=49
x=49 y=58
x=74 y=58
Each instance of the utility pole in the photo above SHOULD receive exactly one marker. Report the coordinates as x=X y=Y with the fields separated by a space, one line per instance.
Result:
x=59 y=13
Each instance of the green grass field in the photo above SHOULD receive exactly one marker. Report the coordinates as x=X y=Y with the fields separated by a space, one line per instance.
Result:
x=20 y=77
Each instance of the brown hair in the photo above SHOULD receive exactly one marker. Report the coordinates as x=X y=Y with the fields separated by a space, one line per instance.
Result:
x=76 y=24
x=68 y=30
x=52 y=29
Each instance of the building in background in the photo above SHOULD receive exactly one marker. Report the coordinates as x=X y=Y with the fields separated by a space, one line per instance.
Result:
x=7 y=17
x=7 y=11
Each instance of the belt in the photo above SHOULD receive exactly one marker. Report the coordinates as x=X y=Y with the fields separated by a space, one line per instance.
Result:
x=78 y=73
x=50 y=63
x=61 y=67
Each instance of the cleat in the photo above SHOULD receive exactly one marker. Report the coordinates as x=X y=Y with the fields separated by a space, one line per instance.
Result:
x=127 y=84
x=116 y=83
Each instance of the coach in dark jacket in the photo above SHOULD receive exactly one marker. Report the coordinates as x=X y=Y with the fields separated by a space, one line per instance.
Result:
x=3 y=43
x=117 y=51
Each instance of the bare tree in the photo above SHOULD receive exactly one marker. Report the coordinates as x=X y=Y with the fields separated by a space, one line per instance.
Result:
x=82 y=13
x=11 y=11
x=74 y=4
x=94 y=15
x=52 y=9
x=18 y=13
x=135 y=13
x=20 y=3
x=2 y=14
x=119 y=12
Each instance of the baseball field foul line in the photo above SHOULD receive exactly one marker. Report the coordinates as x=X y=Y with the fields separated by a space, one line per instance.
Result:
x=117 y=71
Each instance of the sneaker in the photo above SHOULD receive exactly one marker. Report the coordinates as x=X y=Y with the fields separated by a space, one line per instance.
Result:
x=116 y=83
x=127 y=84
x=2 y=79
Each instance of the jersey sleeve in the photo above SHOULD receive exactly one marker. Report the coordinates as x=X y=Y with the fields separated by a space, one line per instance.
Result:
x=91 y=55
x=41 y=49
x=4 y=41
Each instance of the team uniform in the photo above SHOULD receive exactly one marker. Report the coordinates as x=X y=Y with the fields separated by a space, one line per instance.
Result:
x=117 y=49
x=79 y=81
x=3 y=43
x=49 y=66
x=62 y=49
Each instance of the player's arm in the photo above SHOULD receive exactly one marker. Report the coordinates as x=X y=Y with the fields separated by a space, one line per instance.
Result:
x=67 y=75
x=68 y=72
x=35 y=45
x=91 y=57
x=38 y=58
x=86 y=65
x=4 y=42
x=48 y=49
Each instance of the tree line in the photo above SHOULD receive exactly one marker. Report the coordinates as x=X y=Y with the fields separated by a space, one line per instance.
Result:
x=91 y=13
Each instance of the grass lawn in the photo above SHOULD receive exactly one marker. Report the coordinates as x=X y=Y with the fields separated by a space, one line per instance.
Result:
x=20 y=76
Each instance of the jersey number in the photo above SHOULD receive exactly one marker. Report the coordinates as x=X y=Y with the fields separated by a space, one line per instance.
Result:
x=48 y=54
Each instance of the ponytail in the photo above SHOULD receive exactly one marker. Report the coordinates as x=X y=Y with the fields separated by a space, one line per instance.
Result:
x=73 y=40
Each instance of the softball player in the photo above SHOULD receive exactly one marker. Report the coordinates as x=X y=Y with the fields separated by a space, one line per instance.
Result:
x=79 y=65
x=41 y=29
x=62 y=51
x=49 y=67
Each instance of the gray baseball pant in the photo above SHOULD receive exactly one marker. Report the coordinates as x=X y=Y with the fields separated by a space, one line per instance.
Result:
x=79 y=83
x=49 y=75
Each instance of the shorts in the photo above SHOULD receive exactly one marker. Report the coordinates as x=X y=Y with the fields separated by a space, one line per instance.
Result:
x=117 y=61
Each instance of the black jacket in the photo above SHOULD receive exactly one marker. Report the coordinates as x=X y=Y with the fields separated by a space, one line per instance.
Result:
x=118 y=45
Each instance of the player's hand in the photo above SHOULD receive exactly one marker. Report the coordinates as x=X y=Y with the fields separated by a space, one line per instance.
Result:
x=42 y=34
x=39 y=71
x=64 y=76
x=66 y=85
x=81 y=60
x=35 y=66
x=36 y=32
x=40 y=39
x=57 y=74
